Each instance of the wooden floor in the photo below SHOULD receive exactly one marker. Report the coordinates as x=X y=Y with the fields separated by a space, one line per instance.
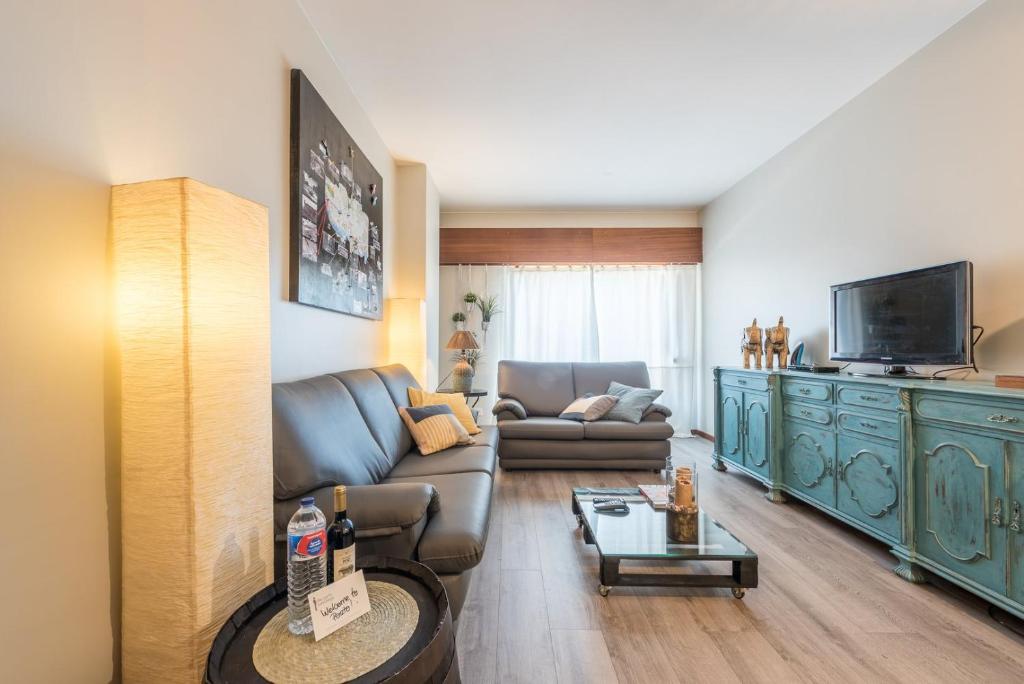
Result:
x=828 y=608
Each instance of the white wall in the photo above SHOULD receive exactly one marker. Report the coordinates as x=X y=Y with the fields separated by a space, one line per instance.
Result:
x=96 y=94
x=657 y=218
x=924 y=167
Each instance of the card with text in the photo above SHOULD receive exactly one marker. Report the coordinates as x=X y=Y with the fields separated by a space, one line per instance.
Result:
x=338 y=604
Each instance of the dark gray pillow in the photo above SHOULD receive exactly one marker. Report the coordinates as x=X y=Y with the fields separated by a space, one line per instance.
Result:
x=633 y=401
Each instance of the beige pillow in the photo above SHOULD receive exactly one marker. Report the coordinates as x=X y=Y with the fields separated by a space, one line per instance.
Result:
x=460 y=408
x=589 y=408
x=434 y=428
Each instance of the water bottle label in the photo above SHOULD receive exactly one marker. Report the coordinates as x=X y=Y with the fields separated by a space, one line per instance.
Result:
x=308 y=545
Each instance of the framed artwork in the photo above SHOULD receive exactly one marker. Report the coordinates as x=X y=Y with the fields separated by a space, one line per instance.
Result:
x=337 y=214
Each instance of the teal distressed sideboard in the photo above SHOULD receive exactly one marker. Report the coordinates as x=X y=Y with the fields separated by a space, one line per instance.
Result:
x=935 y=469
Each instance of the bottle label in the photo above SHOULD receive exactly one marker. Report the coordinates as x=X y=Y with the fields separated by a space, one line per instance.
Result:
x=308 y=545
x=344 y=562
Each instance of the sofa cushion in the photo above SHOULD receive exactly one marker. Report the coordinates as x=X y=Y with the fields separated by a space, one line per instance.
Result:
x=620 y=429
x=378 y=410
x=594 y=378
x=544 y=389
x=320 y=438
x=455 y=400
x=541 y=428
x=455 y=537
x=458 y=459
x=434 y=428
x=398 y=380
x=633 y=401
x=488 y=436
x=589 y=408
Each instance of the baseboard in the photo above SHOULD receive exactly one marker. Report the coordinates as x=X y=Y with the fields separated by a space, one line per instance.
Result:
x=703 y=435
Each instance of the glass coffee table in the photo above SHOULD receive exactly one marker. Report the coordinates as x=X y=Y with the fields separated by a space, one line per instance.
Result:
x=640 y=535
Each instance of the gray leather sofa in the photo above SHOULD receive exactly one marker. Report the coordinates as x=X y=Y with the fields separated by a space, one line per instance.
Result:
x=532 y=395
x=344 y=428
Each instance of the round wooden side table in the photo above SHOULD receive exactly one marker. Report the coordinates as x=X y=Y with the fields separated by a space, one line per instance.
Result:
x=428 y=657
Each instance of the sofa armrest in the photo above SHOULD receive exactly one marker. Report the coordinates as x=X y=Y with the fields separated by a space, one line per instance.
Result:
x=383 y=510
x=656 y=412
x=509 y=406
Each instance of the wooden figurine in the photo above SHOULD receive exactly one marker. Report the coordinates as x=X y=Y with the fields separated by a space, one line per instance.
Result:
x=751 y=345
x=776 y=341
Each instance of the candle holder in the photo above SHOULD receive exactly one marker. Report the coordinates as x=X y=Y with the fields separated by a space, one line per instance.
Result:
x=683 y=513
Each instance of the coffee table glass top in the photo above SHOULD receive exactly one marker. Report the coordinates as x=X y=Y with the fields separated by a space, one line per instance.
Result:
x=641 y=533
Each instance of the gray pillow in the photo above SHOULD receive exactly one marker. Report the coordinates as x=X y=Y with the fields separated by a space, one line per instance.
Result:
x=633 y=401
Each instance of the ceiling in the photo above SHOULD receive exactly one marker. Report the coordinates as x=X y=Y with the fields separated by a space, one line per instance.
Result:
x=532 y=104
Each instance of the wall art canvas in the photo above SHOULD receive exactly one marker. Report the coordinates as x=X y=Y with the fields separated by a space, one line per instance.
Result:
x=337 y=212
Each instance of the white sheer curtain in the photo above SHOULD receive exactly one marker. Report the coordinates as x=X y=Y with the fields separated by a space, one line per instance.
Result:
x=588 y=313
x=652 y=314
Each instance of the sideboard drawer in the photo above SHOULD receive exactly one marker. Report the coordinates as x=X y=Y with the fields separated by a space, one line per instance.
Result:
x=858 y=395
x=816 y=414
x=750 y=382
x=868 y=425
x=955 y=410
x=817 y=391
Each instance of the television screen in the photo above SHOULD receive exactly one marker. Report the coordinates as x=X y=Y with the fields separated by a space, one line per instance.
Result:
x=919 y=317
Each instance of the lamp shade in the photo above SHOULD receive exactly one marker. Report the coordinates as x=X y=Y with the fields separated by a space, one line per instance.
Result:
x=193 y=329
x=407 y=335
x=462 y=339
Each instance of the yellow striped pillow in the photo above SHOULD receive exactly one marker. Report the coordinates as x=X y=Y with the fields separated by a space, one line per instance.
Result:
x=434 y=428
x=457 y=401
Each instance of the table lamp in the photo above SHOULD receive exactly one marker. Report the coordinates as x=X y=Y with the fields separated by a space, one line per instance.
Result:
x=462 y=374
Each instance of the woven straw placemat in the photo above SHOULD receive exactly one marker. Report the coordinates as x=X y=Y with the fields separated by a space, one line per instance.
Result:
x=352 y=651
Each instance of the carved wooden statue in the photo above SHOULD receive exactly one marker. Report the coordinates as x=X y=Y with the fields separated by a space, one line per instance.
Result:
x=751 y=345
x=776 y=341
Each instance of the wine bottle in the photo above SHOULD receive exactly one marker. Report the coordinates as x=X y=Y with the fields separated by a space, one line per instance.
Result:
x=341 y=539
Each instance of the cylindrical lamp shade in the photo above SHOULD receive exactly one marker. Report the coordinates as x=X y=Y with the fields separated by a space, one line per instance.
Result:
x=191 y=269
x=407 y=335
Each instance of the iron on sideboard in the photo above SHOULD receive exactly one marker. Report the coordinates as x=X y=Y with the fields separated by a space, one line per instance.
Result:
x=934 y=469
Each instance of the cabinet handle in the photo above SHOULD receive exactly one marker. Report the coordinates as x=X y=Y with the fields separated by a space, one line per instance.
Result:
x=828 y=468
x=805 y=413
x=869 y=426
x=1015 y=518
x=804 y=390
x=1000 y=418
x=868 y=397
x=997 y=512
x=741 y=382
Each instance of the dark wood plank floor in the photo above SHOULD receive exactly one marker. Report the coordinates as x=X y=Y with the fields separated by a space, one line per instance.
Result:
x=828 y=608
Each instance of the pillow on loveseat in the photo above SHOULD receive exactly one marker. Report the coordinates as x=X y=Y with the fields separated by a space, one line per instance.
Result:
x=632 y=402
x=589 y=408
x=457 y=401
x=434 y=428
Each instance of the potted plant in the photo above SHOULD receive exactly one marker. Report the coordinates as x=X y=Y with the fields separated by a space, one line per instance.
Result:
x=459 y=319
x=488 y=309
x=470 y=299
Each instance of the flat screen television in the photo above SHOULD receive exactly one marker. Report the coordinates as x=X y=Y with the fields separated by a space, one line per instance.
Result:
x=919 y=317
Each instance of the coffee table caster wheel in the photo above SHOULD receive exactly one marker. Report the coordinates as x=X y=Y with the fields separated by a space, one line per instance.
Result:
x=603 y=590
x=739 y=593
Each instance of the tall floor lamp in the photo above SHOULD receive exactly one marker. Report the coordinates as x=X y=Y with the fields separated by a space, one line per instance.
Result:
x=193 y=328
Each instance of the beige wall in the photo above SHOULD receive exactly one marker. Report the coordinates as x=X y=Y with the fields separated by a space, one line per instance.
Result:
x=924 y=167
x=668 y=218
x=96 y=94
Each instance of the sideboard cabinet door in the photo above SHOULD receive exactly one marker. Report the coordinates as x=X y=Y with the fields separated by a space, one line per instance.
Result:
x=809 y=461
x=731 y=412
x=1015 y=523
x=869 y=487
x=756 y=422
x=962 y=510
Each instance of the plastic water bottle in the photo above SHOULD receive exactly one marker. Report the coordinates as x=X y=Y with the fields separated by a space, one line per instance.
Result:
x=307 y=563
